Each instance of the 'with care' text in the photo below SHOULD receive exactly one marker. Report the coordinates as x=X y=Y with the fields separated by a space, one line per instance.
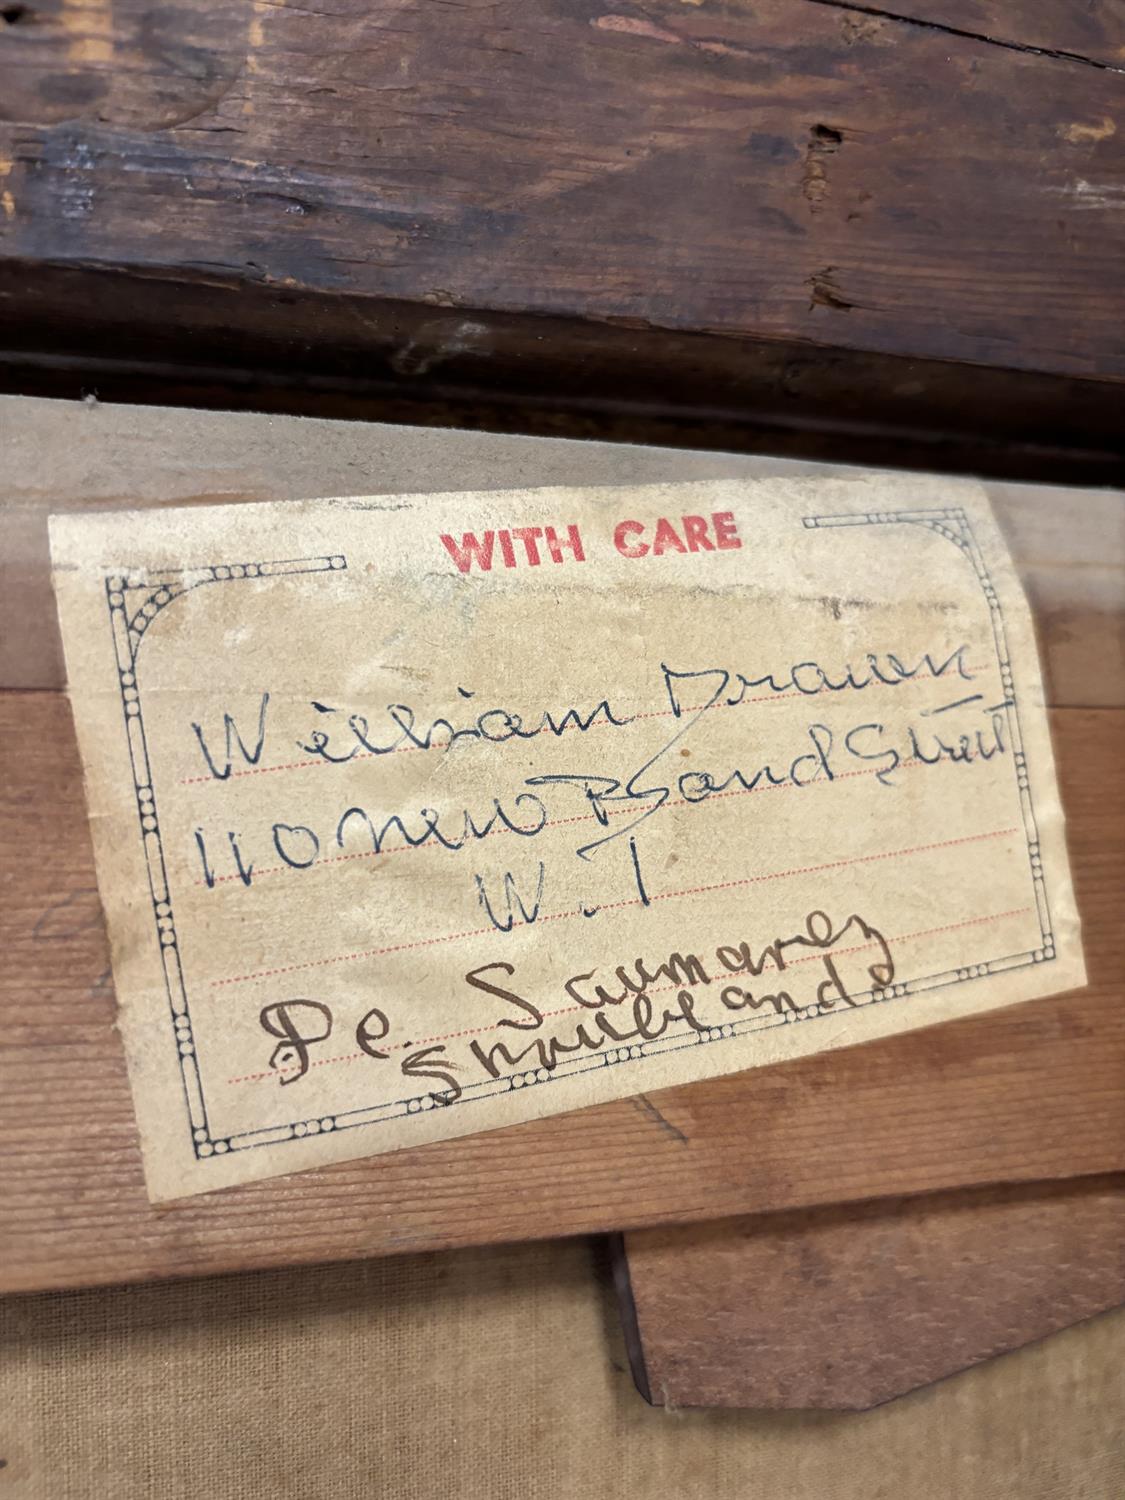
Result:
x=528 y=546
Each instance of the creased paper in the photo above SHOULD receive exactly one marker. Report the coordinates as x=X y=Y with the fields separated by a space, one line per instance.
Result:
x=422 y=816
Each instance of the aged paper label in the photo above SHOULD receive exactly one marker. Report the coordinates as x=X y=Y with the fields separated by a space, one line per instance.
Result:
x=421 y=816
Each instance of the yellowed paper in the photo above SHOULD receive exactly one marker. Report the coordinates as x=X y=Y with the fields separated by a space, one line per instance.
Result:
x=421 y=816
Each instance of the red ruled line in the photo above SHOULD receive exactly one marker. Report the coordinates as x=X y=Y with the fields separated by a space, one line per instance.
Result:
x=567 y=1010
x=656 y=713
x=613 y=812
x=699 y=890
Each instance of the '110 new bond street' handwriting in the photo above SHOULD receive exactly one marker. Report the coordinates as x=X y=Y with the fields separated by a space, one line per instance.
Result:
x=425 y=818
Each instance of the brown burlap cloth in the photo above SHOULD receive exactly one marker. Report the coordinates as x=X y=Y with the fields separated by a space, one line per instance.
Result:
x=492 y=1373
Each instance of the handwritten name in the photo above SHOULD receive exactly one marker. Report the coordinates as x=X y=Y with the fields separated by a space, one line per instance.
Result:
x=609 y=1008
x=494 y=725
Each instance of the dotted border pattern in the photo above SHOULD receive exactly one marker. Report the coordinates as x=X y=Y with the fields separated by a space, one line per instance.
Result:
x=130 y=621
x=135 y=601
x=954 y=526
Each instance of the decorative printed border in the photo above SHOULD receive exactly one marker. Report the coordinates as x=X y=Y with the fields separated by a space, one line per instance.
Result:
x=131 y=618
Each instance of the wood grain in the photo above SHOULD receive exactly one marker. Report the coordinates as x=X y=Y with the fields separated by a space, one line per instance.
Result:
x=843 y=1308
x=1031 y=1092
x=794 y=214
x=1089 y=33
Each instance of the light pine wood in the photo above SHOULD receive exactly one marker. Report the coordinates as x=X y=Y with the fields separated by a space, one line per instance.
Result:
x=1069 y=544
x=1034 y=1091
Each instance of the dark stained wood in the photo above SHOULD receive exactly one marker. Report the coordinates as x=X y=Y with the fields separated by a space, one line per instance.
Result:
x=1031 y=1092
x=1088 y=31
x=105 y=335
x=794 y=219
x=843 y=1308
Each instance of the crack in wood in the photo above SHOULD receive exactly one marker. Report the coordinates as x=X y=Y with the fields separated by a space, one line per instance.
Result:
x=824 y=292
x=1059 y=54
x=824 y=141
